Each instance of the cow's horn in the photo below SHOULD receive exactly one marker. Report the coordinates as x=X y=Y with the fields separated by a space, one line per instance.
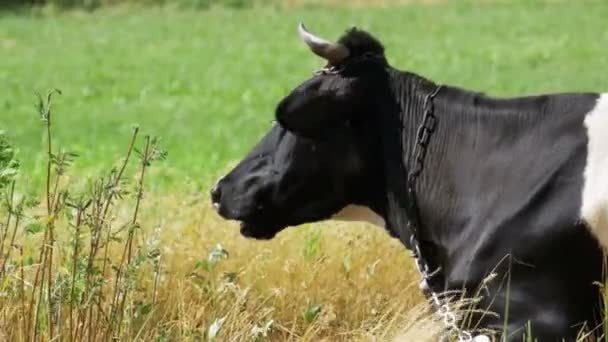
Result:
x=333 y=52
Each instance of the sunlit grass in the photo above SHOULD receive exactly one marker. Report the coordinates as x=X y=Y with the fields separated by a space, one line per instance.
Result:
x=333 y=280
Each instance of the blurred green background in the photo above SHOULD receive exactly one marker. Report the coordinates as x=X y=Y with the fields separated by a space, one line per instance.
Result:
x=205 y=76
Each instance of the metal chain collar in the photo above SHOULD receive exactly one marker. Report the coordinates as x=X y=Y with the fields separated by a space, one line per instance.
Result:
x=443 y=309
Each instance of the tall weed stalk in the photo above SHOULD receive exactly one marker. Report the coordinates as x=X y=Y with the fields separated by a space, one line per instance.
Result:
x=59 y=279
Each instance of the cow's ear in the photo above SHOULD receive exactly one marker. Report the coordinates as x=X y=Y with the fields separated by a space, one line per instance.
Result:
x=311 y=115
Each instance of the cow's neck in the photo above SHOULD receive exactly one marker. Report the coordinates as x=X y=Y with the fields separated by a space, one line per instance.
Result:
x=443 y=190
x=400 y=106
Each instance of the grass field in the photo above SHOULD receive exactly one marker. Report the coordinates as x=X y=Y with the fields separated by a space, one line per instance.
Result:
x=207 y=82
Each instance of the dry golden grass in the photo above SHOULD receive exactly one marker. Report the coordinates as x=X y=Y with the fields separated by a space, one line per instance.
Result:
x=363 y=281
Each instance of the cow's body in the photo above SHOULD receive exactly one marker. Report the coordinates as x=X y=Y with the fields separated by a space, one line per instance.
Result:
x=503 y=188
x=510 y=187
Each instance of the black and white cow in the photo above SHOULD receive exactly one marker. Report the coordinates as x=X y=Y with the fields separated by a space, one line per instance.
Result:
x=517 y=179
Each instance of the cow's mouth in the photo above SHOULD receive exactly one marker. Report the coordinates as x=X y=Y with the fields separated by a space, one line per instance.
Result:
x=258 y=232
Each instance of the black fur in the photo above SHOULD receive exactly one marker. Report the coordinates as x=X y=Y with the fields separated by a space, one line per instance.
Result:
x=360 y=42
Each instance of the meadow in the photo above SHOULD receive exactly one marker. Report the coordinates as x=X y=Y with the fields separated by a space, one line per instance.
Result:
x=206 y=83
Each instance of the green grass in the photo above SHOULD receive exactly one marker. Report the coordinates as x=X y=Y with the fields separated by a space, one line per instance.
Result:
x=207 y=82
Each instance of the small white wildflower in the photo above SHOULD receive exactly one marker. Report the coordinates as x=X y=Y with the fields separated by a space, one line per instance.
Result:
x=258 y=332
x=214 y=328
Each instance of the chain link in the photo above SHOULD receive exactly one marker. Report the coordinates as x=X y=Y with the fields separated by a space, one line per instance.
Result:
x=442 y=309
x=423 y=136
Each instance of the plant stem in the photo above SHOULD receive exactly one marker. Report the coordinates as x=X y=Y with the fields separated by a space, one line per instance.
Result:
x=127 y=252
x=75 y=257
x=7 y=227
x=50 y=214
x=8 y=217
x=106 y=208
x=23 y=306
x=11 y=244
x=41 y=263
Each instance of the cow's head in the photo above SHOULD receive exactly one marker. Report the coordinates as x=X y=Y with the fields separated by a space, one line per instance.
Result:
x=321 y=159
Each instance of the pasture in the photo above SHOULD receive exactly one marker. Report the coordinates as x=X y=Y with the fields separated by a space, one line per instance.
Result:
x=206 y=82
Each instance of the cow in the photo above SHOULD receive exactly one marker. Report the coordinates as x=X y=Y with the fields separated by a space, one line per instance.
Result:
x=511 y=189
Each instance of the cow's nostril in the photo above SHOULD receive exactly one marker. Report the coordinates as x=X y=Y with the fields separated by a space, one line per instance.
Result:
x=216 y=195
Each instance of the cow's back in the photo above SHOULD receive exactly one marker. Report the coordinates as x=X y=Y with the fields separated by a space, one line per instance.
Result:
x=594 y=208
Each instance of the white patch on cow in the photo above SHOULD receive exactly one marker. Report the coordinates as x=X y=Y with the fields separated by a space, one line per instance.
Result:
x=359 y=213
x=594 y=209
